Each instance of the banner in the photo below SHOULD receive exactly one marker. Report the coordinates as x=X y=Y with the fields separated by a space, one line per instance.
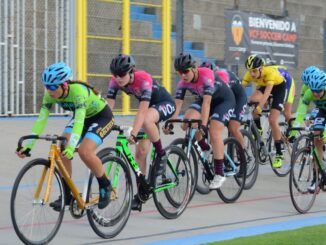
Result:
x=274 y=38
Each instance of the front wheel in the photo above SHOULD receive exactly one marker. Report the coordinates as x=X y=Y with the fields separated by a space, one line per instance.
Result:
x=172 y=189
x=302 y=175
x=109 y=222
x=251 y=156
x=34 y=221
x=234 y=171
x=181 y=142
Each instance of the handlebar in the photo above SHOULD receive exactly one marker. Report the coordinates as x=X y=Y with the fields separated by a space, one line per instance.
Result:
x=53 y=138
x=121 y=128
x=185 y=120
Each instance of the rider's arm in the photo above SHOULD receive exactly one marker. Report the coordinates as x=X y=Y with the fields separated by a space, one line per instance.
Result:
x=178 y=106
x=205 y=109
x=267 y=92
x=302 y=108
x=111 y=103
x=140 y=117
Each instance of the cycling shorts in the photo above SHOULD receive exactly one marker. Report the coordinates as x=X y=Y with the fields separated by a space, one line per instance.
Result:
x=279 y=95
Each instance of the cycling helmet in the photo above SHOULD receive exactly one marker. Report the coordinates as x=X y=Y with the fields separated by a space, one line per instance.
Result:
x=254 y=61
x=317 y=81
x=56 y=74
x=122 y=64
x=183 y=62
x=209 y=65
x=307 y=73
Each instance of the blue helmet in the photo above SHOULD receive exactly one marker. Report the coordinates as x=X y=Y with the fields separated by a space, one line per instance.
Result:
x=307 y=73
x=317 y=81
x=56 y=74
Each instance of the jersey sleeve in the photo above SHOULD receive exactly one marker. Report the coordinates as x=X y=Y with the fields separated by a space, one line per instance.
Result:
x=80 y=101
x=302 y=108
x=180 y=92
x=112 y=89
x=246 y=79
x=208 y=86
x=146 y=90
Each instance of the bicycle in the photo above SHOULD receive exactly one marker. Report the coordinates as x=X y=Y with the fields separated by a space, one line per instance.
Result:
x=171 y=190
x=39 y=183
x=265 y=143
x=234 y=168
x=306 y=167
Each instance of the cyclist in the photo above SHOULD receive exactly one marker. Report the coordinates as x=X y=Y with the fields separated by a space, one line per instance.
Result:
x=91 y=123
x=290 y=85
x=229 y=78
x=155 y=105
x=270 y=82
x=214 y=100
x=316 y=93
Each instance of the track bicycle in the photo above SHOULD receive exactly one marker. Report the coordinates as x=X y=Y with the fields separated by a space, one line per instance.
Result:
x=234 y=159
x=265 y=143
x=39 y=183
x=171 y=190
x=307 y=168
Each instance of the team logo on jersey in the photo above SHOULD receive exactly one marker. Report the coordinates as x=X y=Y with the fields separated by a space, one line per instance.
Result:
x=237 y=29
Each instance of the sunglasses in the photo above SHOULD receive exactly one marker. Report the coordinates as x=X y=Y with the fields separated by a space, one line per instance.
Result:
x=184 y=71
x=316 y=91
x=51 y=87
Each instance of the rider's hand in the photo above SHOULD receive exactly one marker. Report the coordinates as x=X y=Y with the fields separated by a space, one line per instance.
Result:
x=168 y=129
x=23 y=152
x=132 y=139
x=69 y=152
x=291 y=139
x=258 y=110
x=203 y=130
x=183 y=126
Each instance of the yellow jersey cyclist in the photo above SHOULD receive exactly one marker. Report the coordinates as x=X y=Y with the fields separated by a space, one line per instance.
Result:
x=316 y=94
x=91 y=123
x=269 y=82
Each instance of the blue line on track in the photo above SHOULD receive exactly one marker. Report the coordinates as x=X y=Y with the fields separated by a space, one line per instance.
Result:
x=244 y=232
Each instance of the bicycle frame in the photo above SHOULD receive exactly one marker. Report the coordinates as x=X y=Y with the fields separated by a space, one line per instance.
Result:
x=56 y=161
x=123 y=149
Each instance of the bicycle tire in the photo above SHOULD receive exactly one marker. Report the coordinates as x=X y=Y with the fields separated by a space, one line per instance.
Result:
x=172 y=202
x=252 y=161
x=43 y=218
x=110 y=221
x=300 y=142
x=287 y=153
x=301 y=175
x=181 y=142
x=233 y=186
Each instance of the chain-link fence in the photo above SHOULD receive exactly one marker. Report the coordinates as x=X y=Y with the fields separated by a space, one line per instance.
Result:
x=33 y=34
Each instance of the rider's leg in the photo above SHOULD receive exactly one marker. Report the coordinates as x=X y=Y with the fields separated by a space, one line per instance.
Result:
x=234 y=128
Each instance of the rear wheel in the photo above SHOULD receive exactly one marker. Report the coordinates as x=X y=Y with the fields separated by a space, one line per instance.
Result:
x=34 y=221
x=303 y=173
x=110 y=221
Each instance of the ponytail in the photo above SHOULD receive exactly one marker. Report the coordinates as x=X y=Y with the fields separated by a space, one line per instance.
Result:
x=95 y=90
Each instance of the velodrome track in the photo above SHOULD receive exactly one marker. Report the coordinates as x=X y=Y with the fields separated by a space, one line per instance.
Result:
x=265 y=208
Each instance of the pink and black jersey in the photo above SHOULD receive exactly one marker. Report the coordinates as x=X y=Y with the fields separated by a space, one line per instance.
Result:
x=144 y=88
x=204 y=85
x=228 y=77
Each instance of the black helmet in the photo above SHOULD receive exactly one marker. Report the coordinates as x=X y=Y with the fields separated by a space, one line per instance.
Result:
x=209 y=65
x=183 y=62
x=122 y=64
x=254 y=61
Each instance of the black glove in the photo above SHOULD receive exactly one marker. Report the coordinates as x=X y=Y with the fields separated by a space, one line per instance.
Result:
x=204 y=130
x=292 y=139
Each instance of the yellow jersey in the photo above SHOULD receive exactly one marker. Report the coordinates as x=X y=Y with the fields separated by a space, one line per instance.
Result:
x=269 y=76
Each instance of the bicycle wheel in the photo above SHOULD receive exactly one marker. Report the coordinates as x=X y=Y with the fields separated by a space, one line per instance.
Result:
x=173 y=188
x=251 y=157
x=301 y=142
x=287 y=153
x=232 y=188
x=34 y=221
x=301 y=175
x=110 y=221
x=181 y=142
